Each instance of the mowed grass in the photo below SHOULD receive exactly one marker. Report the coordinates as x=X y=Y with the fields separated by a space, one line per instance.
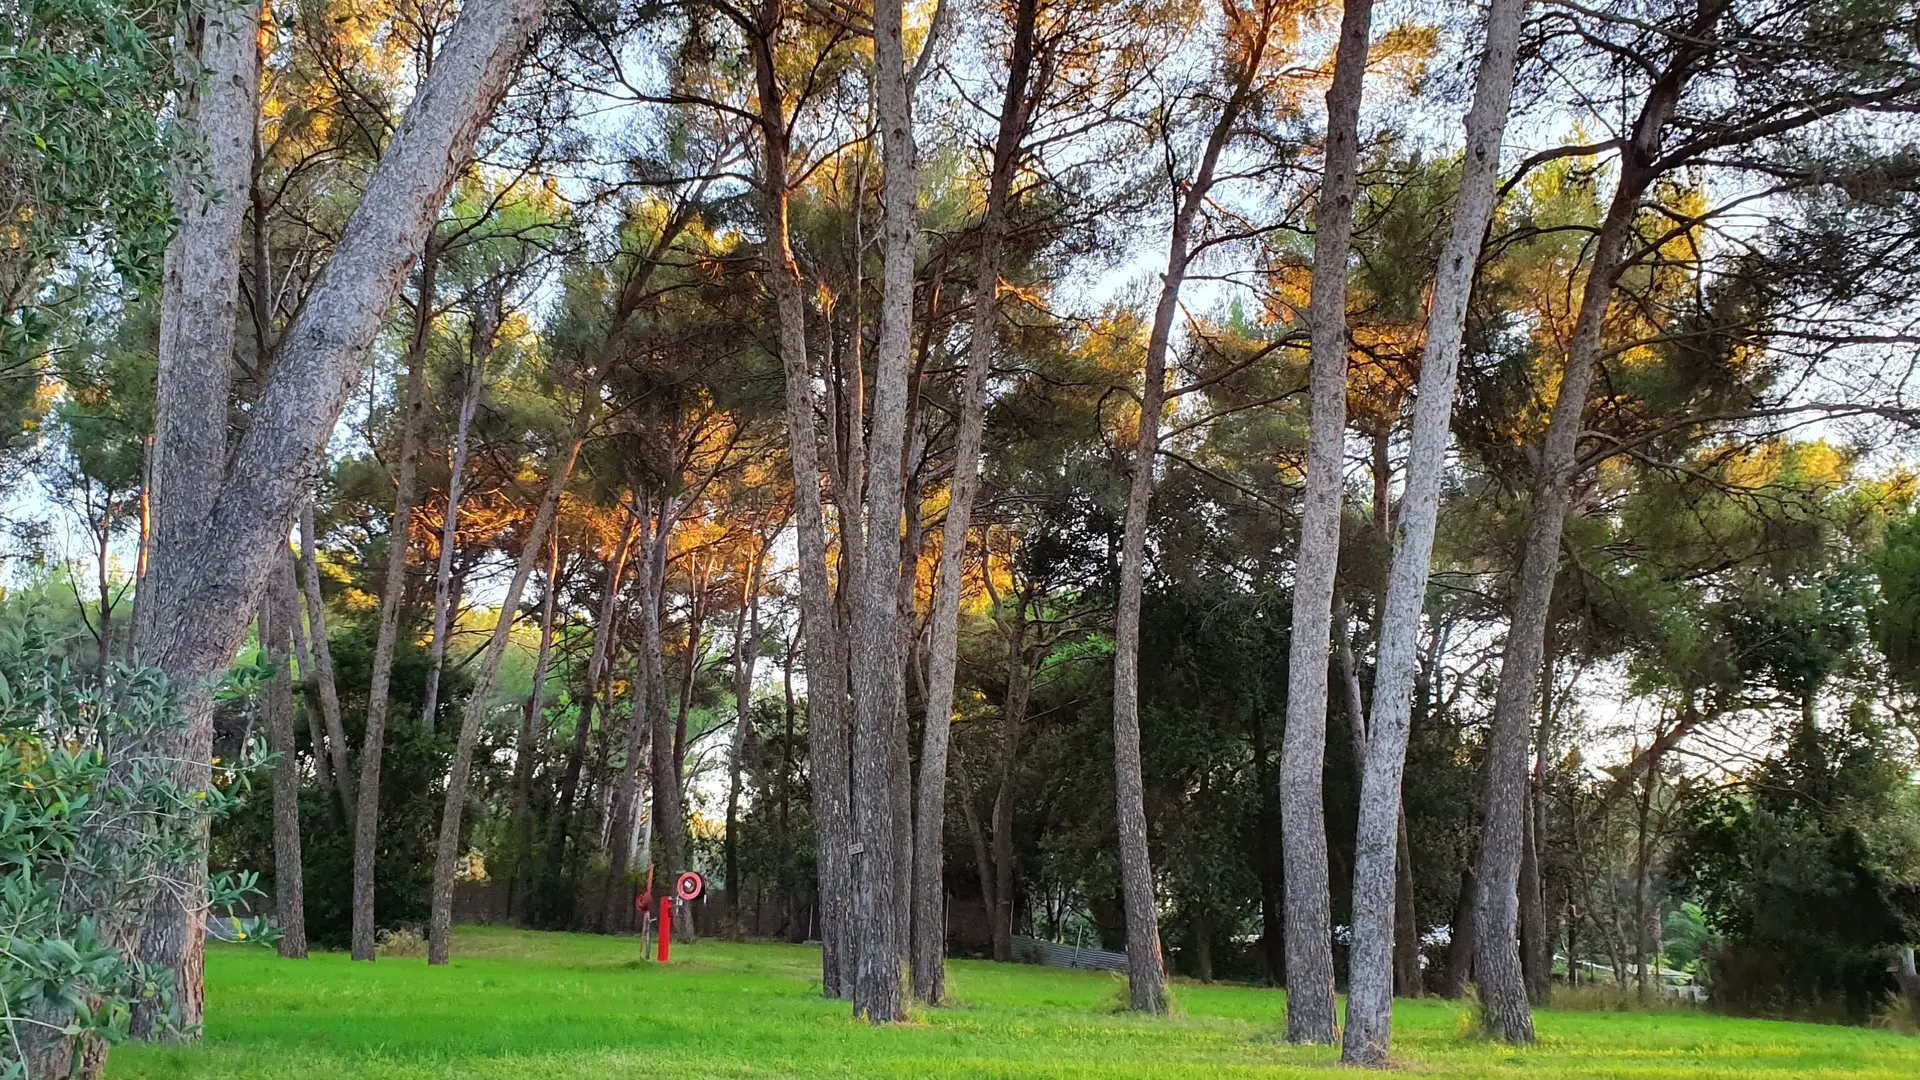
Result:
x=532 y=1005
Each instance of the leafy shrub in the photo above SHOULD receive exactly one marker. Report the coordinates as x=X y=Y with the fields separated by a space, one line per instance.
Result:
x=90 y=809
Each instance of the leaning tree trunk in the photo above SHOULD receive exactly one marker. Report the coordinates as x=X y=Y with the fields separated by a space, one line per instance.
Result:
x=1380 y=835
x=826 y=689
x=450 y=524
x=929 y=946
x=303 y=657
x=327 y=690
x=1146 y=970
x=366 y=830
x=216 y=540
x=1502 y=985
x=1311 y=1015
x=531 y=738
x=440 y=917
x=562 y=813
x=276 y=702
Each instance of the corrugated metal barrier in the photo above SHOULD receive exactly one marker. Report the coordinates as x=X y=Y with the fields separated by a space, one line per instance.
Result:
x=1035 y=951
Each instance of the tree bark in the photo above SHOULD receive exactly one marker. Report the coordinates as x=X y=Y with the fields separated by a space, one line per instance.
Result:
x=532 y=738
x=1460 y=950
x=276 y=618
x=1908 y=979
x=569 y=790
x=1311 y=1015
x=216 y=536
x=1503 y=997
x=303 y=656
x=640 y=730
x=668 y=820
x=328 y=691
x=875 y=669
x=929 y=946
x=450 y=525
x=440 y=920
x=826 y=668
x=1146 y=969
x=366 y=832
x=1380 y=834
x=746 y=649
x=218 y=65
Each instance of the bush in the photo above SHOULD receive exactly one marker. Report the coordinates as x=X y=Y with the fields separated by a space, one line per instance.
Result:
x=90 y=809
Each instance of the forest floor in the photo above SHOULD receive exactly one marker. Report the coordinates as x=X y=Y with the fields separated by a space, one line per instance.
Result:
x=533 y=1005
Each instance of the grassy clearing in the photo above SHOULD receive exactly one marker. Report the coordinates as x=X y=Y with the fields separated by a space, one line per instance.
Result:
x=528 y=1005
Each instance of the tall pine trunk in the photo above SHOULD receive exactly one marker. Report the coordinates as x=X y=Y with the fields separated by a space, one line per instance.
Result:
x=218 y=65
x=450 y=524
x=325 y=688
x=561 y=824
x=366 y=831
x=276 y=702
x=532 y=738
x=746 y=649
x=1498 y=973
x=1380 y=837
x=873 y=636
x=217 y=536
x=929 y=946
x=1311 y=1017
x=639 y=743
x=826 y=668
x=440 y=917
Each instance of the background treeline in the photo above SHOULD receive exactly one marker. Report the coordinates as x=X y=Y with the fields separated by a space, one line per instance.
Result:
x=554 y=614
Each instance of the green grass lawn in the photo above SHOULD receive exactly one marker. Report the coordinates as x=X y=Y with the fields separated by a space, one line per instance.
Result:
x=529 y=1005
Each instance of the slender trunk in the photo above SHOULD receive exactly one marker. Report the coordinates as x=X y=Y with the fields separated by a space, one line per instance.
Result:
x=929 y=946
x=562 y=818
x=1311 y=1015
x=440 y=922
x=1013 y=715
x=276 y=698
x=450 y=526
x=640 y=733
x=1146 y=969
x=1502 y=986
x=746 y=636
x=668 y=820
x=366 y=833
x=1460 y=950
x=103 y=584
x=1533 y=918
x=303 y=656
x=1907 y=978
x=216 y=534
x=1641 y=874
x=1380 y=832
x=1408 y=980
x=982 y=859
x=690 y=661
x=532 y=738
x=1406 y=941
x=826 y=689
x=328 y=690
